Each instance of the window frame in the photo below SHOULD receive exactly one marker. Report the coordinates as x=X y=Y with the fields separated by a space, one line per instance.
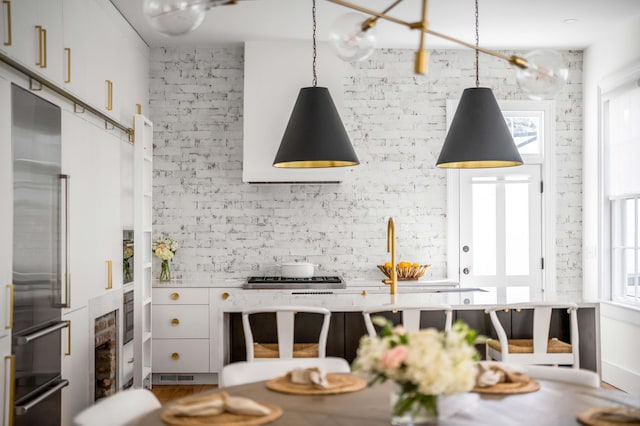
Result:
x=546 y=159
x=609 y=88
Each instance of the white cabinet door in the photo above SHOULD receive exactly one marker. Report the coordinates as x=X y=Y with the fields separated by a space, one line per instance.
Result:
x=91 y=157
x=77 y=24
x=78 y=161
x=75 y=364
x=6 y=207
x=36 y=35
x=107 y=224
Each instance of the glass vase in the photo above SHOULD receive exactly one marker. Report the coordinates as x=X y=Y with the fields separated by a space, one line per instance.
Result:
x=408 y=409
x=165 y=273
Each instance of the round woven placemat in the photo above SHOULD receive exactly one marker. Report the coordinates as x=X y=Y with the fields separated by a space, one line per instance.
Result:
x=594 y=416
x=509 y=388
x=225 y=419
x=338 y=383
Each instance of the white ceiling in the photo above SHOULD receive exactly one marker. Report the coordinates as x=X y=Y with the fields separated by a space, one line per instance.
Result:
x=503 y=23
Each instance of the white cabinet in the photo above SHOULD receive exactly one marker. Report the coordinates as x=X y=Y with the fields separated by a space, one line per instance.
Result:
x=181 y=330
x=36 y=35
x=75 y=364
x=91 y=157
x=6 y=207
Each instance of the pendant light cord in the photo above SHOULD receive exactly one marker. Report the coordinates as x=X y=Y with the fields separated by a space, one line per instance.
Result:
x=315 y=76
x=477 y=51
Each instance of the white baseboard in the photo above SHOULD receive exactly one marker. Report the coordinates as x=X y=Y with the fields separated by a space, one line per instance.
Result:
x=621 y=378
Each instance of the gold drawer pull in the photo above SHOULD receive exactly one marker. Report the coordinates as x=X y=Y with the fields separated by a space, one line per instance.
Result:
x=68 y=79
x=175 y=296
x=109 y=95
x=8 y=3
x=175 y=321
x=12 y=385
x=225 y=296
x=109 y=275
x=175 y=356
x=9 y=325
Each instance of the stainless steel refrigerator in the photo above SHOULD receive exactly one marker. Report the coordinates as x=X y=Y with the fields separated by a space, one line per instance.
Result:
x=40 y=272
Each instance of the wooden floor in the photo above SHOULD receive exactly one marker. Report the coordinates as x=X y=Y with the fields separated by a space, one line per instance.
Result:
x=166 y=393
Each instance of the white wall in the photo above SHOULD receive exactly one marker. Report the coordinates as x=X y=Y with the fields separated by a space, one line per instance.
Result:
x=396 y=121
x=619 y=325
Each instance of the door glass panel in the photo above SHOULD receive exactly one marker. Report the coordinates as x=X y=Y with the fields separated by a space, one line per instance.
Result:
x=484 y=228
x=518 y=294
x=526 y=132
x=630 y=222
x=517 y=228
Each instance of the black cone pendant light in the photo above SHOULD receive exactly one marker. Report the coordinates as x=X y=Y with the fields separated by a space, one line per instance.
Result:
x=478 y=136
x=315 y=136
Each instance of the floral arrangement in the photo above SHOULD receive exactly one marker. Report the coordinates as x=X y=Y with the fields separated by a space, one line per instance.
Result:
x=127 y=254
x=165 y=248
x=424 y=364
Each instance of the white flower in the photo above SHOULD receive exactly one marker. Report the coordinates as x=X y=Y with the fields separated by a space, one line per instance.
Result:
x=436 y=362
x=164 y=247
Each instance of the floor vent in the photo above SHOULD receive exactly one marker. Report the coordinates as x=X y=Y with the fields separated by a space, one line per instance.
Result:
x=173 y=378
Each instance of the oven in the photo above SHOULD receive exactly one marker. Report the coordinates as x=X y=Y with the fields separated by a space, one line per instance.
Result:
x=127 y=311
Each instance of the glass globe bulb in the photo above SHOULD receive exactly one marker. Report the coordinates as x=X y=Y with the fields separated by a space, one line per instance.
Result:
x=348 y=40
x=545 y=75
x=174 y=17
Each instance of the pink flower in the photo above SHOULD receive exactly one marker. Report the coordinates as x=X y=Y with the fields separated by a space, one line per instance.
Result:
x=394 y=357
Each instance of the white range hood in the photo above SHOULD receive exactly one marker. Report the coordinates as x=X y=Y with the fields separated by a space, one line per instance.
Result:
x=274 y=73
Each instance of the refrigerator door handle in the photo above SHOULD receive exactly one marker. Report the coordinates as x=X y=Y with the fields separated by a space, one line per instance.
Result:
x=24 y=408
x=66 y=262
x=23 y=340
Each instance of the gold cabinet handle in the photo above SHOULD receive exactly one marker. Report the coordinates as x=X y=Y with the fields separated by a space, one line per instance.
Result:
x=8 y=3
x=175 y=321
x=68 y=352
x=12 y=385
x=225 y=296
x=175 y=296
x=42 y=46
x=109 y=275
x=9 y=325
x=109 y=95
x=175 y=356
x=68 y=50
x=39 y=28
x=139 y=108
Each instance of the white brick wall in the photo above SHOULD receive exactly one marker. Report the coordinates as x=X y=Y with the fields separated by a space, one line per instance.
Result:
x=396 y=121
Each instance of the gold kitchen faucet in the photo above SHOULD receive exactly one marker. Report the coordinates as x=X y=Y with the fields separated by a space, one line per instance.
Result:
x=391 y=248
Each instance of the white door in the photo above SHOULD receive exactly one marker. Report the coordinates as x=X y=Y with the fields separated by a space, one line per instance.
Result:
x=501 y=232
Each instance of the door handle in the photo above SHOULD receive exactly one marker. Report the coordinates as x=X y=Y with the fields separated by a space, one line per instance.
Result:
x=42 y=46
x=109 y=275
x=465 y=249
x=57 y=385
x=9 y=325
x=465 y=271
x=23 y=340
x=66 y=302
x=8 y=3
x=68 y=50
x=10 y=388
x=109 y=94
x=68 y=352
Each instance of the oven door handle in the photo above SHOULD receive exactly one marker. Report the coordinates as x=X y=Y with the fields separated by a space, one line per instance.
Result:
x=23 y=340
x=57 y=385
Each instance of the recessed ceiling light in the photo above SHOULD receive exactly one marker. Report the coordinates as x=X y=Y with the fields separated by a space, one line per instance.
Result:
x=570 y=20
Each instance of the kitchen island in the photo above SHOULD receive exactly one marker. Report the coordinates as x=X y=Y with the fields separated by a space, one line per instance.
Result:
x=197 y=327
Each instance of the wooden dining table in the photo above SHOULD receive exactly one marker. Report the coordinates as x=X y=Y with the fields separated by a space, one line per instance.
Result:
x=555 y=403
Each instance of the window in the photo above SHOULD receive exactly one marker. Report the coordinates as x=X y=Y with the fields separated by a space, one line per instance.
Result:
x=499 y=219
x=621 y=138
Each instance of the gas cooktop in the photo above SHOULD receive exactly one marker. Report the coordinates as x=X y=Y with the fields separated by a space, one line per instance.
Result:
x=321 y=282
